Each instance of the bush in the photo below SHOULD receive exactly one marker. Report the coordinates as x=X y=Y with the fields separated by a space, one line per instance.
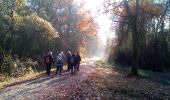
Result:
x=13 y=67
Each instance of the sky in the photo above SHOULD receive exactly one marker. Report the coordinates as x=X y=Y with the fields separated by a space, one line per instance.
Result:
x=102 y=19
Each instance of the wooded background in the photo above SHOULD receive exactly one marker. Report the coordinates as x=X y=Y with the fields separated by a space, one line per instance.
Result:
x=31 y=28
x=142 y=30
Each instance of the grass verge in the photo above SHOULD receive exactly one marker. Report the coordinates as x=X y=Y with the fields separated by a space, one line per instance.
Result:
x=103 y=64
x=148 y=73
x=10 y=80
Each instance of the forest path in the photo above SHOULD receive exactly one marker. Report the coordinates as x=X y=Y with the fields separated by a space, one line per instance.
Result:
x=92 y=82
x=46 y=87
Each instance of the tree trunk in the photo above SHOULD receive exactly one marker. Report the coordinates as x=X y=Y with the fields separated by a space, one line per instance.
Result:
x=133 y=22
x=135 y=43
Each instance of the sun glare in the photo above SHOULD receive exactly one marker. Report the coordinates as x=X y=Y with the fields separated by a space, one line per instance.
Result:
x=103 y=20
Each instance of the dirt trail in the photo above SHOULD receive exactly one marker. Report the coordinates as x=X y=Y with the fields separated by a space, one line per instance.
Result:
x=90 y=83
x=46 y=87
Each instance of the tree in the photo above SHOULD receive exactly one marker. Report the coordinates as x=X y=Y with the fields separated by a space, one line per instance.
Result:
x=66 y=17
x=138 y=22
x=18 y=25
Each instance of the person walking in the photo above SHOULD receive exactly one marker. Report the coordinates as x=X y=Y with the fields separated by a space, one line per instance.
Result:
x=73 y=64
x=63 y=59
x=78 y=59
x=59 y=63
x=48 y=61
x=69 y=55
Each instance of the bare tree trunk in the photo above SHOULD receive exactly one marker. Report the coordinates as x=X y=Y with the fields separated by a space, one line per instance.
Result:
x=11 y=27
x=134 y=70
x=133 y=22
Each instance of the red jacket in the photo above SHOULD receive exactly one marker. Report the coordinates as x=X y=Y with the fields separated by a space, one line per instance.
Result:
x=48 y=59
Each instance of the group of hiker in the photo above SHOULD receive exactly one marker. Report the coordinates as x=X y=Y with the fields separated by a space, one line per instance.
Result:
x=73 y=62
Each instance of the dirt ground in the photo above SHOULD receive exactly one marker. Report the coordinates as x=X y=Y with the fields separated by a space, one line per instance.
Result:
x=90 y=83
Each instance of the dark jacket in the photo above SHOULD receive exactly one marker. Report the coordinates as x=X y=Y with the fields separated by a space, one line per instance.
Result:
x=74 y=59
x=78 y=58
x=69 y=58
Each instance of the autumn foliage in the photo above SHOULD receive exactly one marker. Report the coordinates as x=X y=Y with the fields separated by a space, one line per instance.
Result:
x=146 y=28
x=87 y=25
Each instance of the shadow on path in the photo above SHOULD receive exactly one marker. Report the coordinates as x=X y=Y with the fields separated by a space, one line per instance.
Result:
x=37 y=79
x=42 y=84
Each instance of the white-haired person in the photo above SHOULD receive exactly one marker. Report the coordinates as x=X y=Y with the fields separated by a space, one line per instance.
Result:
x=59 y=63
x=63 y=58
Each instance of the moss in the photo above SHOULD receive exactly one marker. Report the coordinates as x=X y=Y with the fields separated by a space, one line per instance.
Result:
x=168 y=82
x=103 y=64
x=147 y=73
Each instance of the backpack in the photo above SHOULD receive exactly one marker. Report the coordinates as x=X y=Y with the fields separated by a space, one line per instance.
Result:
x=72 y=60
x=47 y=60
x=59 y=59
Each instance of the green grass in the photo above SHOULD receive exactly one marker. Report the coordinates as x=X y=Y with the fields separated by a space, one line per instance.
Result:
x=147 y=73
x=103 y=64
x=153 y=75
x=168 y=82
